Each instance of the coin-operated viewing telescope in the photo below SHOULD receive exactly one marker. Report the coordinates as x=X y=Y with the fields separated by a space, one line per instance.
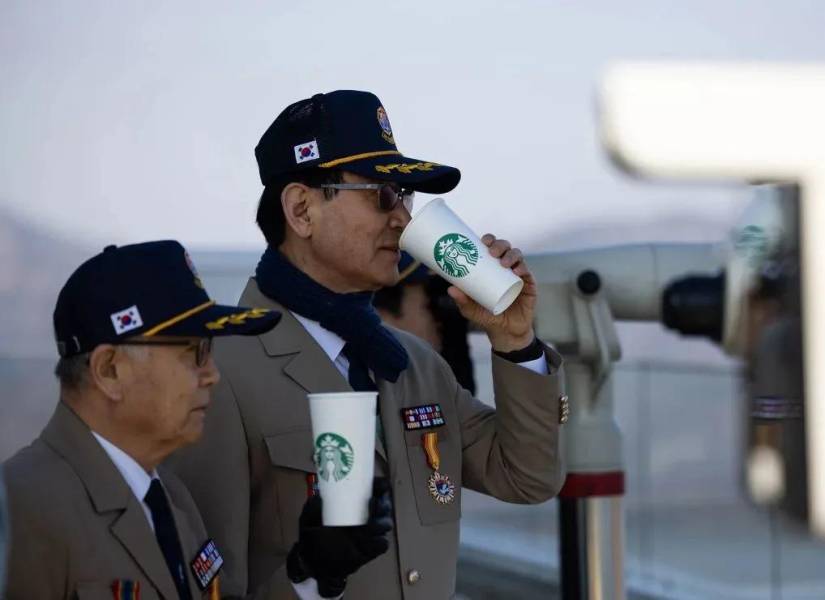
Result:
x=750 y=122
x=696 y=289
x=581 y=294
x=752 y=309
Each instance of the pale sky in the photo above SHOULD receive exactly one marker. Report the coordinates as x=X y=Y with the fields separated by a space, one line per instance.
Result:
x=131 y=121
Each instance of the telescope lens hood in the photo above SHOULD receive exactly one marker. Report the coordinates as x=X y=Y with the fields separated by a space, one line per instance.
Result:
x=695 y=305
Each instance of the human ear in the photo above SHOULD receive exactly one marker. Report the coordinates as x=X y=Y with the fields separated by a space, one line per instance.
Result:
x=295 y=200
x=106 y=371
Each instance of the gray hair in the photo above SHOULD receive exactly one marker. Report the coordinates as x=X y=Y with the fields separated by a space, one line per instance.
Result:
x=71 y=372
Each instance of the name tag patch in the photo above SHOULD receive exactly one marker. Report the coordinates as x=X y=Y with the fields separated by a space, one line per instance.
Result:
x=425 y=416
x=206 y=564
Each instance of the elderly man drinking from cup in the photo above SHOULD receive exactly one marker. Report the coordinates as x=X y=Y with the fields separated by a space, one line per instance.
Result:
x=337 y=197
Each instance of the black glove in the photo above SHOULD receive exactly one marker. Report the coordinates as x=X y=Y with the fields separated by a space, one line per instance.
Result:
x=330 y=554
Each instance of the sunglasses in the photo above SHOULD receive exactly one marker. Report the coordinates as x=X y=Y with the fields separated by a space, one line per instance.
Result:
x=390 y=195
x=203 y=347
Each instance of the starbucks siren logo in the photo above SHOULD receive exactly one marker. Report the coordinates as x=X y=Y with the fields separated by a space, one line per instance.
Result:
x=752 y=243
x=333 y=457
x=455 y=254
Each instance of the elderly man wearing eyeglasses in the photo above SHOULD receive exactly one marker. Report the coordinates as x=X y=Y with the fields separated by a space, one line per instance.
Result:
x=92 y=512
x=337 y=195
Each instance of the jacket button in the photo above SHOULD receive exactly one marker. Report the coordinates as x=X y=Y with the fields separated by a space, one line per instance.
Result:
x=413 y=576
x=564 y=409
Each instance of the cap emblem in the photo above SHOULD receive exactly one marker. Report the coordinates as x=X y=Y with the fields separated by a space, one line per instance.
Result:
x=126 y=320
x=384 y=122
x=306 y=151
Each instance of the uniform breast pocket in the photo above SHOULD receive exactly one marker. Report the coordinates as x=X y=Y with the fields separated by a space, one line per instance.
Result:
x=438 y=497
x=284 y=487
x=106 y=591
x=291 y=449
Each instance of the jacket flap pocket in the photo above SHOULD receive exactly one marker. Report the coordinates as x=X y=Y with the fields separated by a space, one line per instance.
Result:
x=291 y=449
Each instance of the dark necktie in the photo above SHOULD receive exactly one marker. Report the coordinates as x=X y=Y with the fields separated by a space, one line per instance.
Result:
x=360 y=381
x=359 y=375
x=167 y=536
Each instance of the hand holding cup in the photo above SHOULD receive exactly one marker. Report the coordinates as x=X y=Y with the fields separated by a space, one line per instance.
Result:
x=512 y=329
x=331 y=554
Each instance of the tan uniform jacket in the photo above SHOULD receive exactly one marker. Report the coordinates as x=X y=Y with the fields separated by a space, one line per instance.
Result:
x=248 y=474
x=76 y=527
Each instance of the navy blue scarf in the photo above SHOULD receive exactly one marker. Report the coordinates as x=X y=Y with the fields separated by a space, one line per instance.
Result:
x=351 y=316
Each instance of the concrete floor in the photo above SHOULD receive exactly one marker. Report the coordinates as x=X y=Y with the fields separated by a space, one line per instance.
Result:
x=726 y=552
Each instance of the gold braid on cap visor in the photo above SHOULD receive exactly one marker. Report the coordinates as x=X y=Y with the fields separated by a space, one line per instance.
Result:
x=184 y=315
x=354 y=157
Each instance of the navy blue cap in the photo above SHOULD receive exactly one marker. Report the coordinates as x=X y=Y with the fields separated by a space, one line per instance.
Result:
x=349 y=130
x=144 y=290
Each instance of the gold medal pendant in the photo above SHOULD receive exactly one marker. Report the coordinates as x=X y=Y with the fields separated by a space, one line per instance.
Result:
x=441 y=488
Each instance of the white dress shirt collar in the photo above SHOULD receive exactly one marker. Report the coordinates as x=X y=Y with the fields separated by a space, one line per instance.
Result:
x=331 y=343
x=136 y=477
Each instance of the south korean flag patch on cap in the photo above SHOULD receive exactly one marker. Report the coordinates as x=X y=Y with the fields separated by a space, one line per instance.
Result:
x=126 y=320
x=306 y=151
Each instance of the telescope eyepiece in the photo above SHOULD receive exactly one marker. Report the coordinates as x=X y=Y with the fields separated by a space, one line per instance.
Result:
x=695 y=305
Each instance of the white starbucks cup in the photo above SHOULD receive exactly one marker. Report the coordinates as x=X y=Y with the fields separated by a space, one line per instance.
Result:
x=441 y=240
x=343 y=436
